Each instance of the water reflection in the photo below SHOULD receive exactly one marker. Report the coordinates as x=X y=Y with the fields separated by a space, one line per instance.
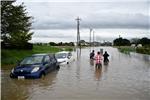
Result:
x=78 y=63
x=106 y=64
x=126 y=77
x=91 y=62
x=78 y=50
x=98 y=73
x=146 y=58
x=14 y=89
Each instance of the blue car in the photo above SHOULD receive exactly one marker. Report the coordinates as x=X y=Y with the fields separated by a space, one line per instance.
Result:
x=35 y=66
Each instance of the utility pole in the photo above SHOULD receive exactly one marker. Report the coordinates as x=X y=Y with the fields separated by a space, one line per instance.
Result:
x=78 y=31
x=90 y=36
x=119 y=41
x=93 y=38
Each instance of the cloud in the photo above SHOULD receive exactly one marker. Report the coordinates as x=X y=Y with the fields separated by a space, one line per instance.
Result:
x=100 y=21
x=54 y=36
x=58 y=24
x=56 y=20
x=96 y=15
x=81 y=1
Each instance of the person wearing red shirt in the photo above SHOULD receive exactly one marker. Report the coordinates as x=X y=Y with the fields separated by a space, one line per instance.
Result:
x=98 y=60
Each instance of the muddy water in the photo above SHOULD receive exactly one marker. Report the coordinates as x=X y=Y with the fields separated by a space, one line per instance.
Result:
x=126 y=77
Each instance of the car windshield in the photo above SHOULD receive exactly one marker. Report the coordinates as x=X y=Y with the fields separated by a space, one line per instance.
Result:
x=61 y=55
x=32 y=60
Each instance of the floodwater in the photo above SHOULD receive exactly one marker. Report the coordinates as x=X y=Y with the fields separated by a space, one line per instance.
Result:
x=126 y=77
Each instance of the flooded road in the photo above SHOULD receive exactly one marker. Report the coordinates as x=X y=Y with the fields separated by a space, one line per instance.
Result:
x=126 y=77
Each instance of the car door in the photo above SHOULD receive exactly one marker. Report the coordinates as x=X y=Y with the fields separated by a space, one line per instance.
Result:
x=70 y=57
x=53 y=62
x=47 y=63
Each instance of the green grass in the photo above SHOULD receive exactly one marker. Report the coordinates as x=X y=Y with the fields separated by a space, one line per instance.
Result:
x=11 y=57
x=126 y=49
x=45 y=49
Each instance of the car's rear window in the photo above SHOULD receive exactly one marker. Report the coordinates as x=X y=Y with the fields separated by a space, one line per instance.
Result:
x=61 y=55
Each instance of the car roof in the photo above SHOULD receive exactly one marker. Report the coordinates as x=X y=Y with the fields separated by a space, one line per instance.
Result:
x=42 y=54
x=63 y=52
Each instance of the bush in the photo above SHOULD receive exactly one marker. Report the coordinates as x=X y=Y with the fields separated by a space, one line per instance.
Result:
x=143 y=50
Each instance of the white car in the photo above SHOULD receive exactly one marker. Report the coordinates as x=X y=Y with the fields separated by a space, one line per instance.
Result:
x=64 y=57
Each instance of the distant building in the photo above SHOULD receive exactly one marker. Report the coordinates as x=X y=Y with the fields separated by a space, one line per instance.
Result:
x=83 y=43
x=139 y=45
x=133 y=45
x=75 y=43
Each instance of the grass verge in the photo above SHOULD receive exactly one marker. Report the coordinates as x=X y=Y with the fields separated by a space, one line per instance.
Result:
x=143 y=50
x=126 y=49
x=11 y=57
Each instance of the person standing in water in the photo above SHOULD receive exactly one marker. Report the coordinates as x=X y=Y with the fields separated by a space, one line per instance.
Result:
x=92 y=54
x=106 y=55
x=98 y=59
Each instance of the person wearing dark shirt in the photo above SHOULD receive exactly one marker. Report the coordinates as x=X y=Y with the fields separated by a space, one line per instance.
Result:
x=92 y=54
x=106 y=55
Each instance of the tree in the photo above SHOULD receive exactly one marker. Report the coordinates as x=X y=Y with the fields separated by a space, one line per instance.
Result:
x=121 y=42
x=6 y=12
x=126 y=42
x=60 y=44
x=52 y=44
x=71 y=44
x=16 y=24
x=145 y=41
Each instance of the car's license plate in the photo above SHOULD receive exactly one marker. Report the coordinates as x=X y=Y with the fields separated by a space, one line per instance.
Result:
x=20 y=77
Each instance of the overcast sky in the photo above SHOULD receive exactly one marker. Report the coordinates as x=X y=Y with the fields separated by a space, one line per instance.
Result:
x=55 y=21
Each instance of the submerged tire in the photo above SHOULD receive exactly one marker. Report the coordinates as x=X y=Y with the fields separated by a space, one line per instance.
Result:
x=12 y=76
x=42 y=75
